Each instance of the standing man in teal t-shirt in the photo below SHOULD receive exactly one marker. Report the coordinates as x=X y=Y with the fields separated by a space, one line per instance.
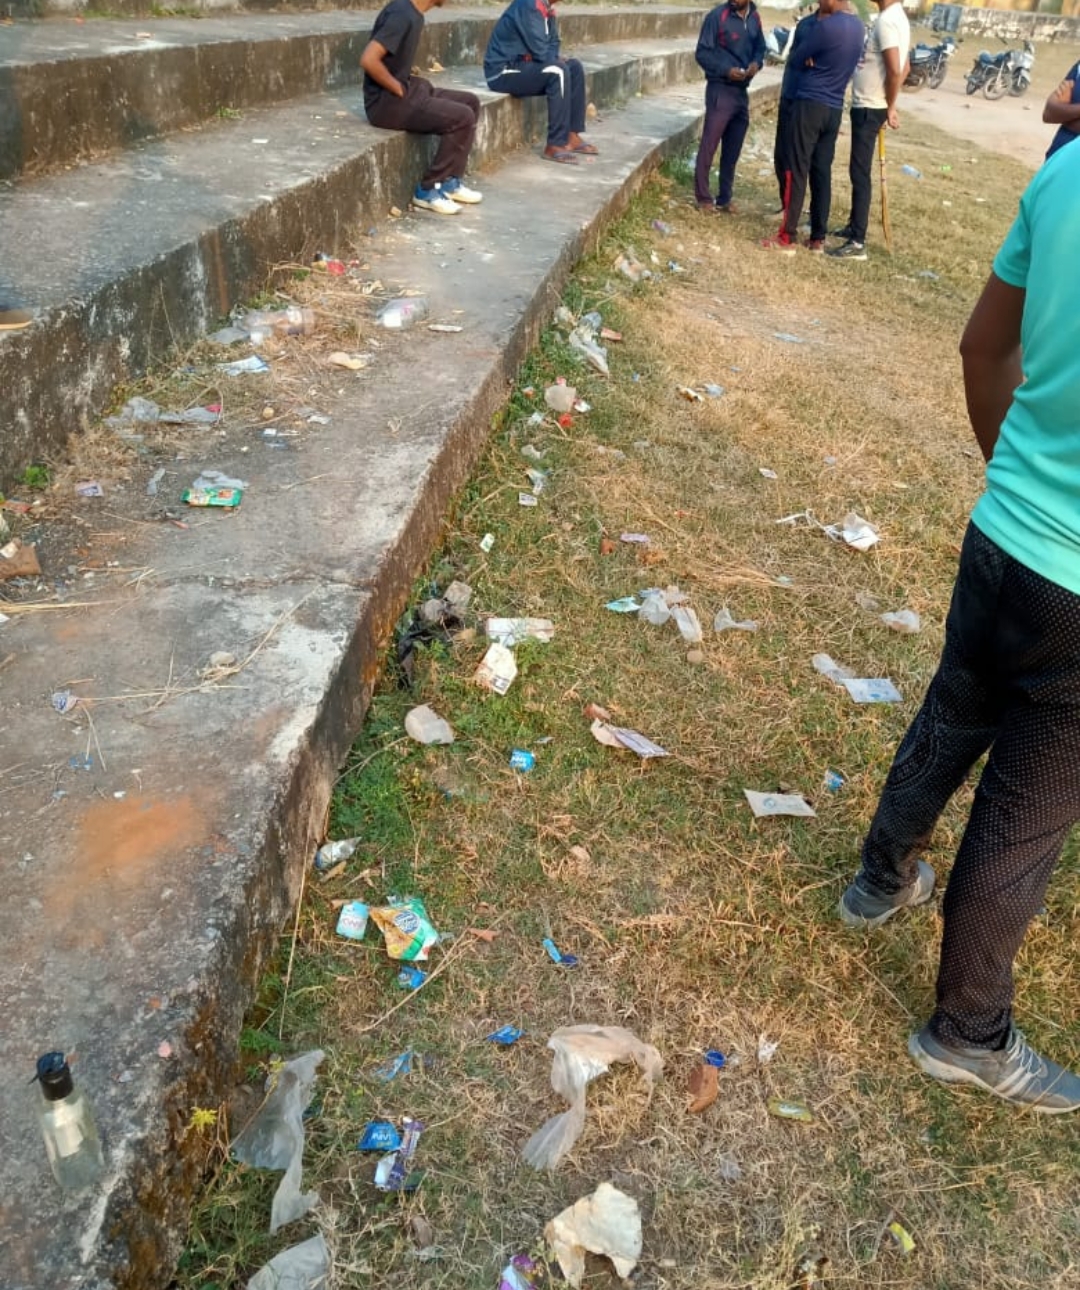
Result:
x=1009 y=677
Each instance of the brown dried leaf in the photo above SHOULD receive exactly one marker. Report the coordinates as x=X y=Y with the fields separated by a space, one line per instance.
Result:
x=703 y=1087
x=596 y=713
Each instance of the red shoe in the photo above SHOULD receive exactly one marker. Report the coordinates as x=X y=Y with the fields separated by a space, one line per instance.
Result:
x=779 y=244
x=815 y=244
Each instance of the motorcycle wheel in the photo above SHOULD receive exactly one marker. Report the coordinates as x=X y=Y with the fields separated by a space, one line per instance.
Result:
x=1018 y=88
x=913 y=84
x=996 y=86
x=971 y=85
x=937 y=77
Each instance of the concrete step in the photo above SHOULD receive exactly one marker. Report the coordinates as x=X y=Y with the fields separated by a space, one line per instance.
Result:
x=143 y=896
x=71 y=92
x=142 y=251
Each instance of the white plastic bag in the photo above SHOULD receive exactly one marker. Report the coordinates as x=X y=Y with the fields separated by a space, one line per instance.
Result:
x=581 y=1054
x=300 y=1267
x=275 y=1137
x=608 y=1222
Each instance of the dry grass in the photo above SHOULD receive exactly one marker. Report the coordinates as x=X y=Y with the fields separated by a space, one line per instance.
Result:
x=696 y=926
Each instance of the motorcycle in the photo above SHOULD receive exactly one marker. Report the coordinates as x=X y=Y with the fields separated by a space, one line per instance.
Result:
x=998 y=74
x=929 y=63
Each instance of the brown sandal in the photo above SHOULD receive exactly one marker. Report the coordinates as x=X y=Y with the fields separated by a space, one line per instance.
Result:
x=562 y=157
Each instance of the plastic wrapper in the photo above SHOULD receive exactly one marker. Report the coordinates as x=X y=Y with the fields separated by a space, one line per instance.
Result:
x=905 y=621
x=608 y=1222
x=275 y=1137
x=427 y=727
x=300 y=1267
x=560 y=398
x=407 y=929
x=581 y=1054
x=398 y=314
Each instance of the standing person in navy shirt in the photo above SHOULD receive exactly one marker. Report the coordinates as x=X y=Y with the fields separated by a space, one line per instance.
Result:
x=1063 y=110
x=828 y=56
x=786 y=106
x=731 y=52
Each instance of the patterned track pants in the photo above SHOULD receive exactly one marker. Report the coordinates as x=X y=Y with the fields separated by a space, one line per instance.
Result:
x=1008 y=681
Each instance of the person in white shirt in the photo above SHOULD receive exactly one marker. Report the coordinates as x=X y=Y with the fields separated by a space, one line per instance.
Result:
x=875 y=90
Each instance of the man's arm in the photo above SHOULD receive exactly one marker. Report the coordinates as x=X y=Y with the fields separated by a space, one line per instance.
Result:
x=372 y=61
x=714 y=60
x=894 y=78
x=1060 y=109
x=990 y=350
x=534 y=29
x=757 y=49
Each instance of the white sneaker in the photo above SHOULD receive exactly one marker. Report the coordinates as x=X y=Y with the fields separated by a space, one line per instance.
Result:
x=434 y=199
x=456 y=190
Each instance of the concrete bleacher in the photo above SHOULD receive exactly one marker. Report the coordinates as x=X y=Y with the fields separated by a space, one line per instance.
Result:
x=143 y=897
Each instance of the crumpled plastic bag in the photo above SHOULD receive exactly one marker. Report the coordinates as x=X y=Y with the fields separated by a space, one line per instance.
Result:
x=607 y=1222
x=275 y=1137
x=581 y=1054
x=300 y=1267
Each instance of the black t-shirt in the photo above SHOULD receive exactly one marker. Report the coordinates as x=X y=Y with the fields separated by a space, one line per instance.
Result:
x=397 y=28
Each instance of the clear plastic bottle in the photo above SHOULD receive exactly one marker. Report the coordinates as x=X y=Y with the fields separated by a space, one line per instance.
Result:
x=67 y=1123
x=262 y=323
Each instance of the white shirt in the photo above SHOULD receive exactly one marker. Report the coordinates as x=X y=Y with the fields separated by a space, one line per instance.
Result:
x=890 y=30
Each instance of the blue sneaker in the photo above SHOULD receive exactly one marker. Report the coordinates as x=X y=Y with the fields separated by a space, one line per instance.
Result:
x=458 y=192
x=434 y=199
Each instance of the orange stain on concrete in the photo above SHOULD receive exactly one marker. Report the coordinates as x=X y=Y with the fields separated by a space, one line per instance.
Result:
x=119 y=848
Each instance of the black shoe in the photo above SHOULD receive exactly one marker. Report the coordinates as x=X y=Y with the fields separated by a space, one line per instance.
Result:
x=847 y=233
x=851 y=250
x=12 y=319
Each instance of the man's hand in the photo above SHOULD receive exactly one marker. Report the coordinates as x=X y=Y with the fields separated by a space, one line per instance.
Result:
x=752 y=70
x=1064 y=92
x=736 y=74
x=892 y=119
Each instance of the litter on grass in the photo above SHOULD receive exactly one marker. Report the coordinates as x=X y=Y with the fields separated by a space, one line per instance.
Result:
x=398 y=314
x=275 y=1137
x=527 y=499
x=402 y=1064
x=690 y=395
x=300 y=1267
x=407 y=929
x=766 y=1049
x=506 y=1036
x=581 y=1054
x=512 y=631
x=723 y=622
x=608 y=1223
x=242 y=366
x=642 y=538
x=411 y=978
x=854 y=531
x=624 y=605
x=905 y=621
x=834 y=781
x=392 y=1173
x=831 y=669
x=379 y=1135
x=557 y=956
x=487 y=542
x=654 y=609
x=785 y=1109
x=903 y=1238
x=703 y=1087
x=89 y=488
x=686 y=620
x=619 y=737
x=333 y=853
x=538 y=479
x=353 y=920
x=427 y=727
x=497 y=669
x=766 y=473
x=763 y=804
x=533 y=453
x=521 y=1273
x=872 y=690
x=522 y=760
x=560 y=398
x=788 y=338
x=583 y=339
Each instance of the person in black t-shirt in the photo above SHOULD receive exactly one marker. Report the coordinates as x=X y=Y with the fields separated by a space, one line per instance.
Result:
x=394 y=99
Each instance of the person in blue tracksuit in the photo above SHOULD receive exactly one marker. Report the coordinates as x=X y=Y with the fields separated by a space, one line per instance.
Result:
x=522 y=59
x=731 y=52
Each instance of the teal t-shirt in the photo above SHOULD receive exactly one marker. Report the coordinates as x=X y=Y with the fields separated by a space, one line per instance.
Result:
x=1031 y=507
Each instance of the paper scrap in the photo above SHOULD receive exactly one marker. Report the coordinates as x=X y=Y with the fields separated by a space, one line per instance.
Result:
x=619 y=737
x=497 y=669
x=872 y=690
x=779 y=804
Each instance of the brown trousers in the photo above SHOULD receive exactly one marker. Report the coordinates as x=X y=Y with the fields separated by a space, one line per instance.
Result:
x=450 y=114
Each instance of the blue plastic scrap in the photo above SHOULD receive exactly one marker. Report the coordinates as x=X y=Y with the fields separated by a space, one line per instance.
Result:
x=506 y=1035
x=379 y=1135
x=556 y=956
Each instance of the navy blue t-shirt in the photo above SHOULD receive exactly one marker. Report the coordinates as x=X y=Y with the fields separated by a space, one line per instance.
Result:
x=1064 y=136
x=398 y=29
x=834 y=45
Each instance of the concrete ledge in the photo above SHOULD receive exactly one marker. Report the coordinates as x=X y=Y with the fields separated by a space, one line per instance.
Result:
x=135 y=919
x=137 y=254
x=68 y=94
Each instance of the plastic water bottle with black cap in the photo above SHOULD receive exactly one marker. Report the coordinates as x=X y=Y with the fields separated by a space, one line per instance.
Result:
x=67 y=1122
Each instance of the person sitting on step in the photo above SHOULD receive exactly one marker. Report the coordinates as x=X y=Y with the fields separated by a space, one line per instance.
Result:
x=522 y=59
x=394 y=99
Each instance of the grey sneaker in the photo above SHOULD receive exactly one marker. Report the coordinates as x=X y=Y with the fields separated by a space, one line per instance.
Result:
x=863 y=906
x=850 y=250
x=1015 y=1073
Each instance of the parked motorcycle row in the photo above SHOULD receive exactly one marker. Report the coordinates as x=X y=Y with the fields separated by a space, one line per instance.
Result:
x=995 y=74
